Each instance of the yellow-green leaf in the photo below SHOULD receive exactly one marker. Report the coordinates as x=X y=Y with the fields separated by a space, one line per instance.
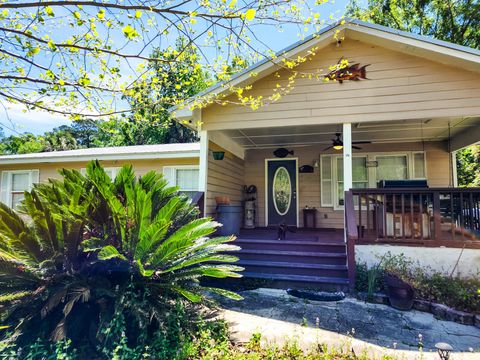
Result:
x=101 y=14
x=77 y=15
x=49 y=11
x=250 y=14
x=130 y=32
x=138 y=14
x=109 y=252
x=51 y=45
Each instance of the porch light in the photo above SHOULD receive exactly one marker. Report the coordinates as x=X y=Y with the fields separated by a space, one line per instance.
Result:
x=444 y=350
x=338 y=147
x=218 y=155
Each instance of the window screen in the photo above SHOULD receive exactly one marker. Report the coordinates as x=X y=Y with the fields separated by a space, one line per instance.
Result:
x=392 y=167
x=187 y=180
x=419 y=166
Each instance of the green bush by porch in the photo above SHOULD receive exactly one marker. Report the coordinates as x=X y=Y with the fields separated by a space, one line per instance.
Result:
x=87 y=256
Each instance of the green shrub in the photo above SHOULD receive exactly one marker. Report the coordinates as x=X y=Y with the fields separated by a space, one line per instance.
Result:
x=88 y=252
x=369 y=280
x=459 y=293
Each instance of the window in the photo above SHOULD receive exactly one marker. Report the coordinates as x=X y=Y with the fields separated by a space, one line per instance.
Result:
x=389 y=166
x=359 y=175
x=185 y=177
x=419 y=171
x=15 y=183
x=392 y=167
x=110 y=171
x=326 y=181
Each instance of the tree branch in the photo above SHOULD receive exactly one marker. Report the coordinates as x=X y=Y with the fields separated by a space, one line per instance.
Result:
x=84 y=48
x=170 y=10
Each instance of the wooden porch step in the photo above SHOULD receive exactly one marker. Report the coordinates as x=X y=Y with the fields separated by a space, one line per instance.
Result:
x=327 y=258
x=278 y=267
x=292 y=245
x=301 y=281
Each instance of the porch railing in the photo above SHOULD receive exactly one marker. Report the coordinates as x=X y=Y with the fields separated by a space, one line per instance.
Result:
x=423 y=217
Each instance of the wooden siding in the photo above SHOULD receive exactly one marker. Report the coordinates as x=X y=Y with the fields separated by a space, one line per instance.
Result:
x=50 y=170
x=438 y=175
x=400 y=87
x=225 y=178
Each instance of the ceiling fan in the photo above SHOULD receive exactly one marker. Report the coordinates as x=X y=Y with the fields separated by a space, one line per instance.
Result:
x=337 y=143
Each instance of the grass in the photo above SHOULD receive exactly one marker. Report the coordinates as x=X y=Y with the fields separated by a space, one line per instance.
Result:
x=211 y=342
x=254 y=350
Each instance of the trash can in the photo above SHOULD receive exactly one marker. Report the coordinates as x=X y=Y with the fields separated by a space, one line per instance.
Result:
x=230 y=216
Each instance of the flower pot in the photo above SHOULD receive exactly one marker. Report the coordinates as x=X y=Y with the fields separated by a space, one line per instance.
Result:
x=399 y=292
x=222 y=200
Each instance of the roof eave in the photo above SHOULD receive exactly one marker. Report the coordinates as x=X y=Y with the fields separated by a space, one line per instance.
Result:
x=103 y=157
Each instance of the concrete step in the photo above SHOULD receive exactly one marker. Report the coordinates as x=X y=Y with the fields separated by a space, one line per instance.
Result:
x=274 y=267
x=292 y=245
x=308 y=257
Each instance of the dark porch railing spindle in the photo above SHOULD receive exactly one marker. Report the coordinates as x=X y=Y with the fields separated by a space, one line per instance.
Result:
x=420 y=216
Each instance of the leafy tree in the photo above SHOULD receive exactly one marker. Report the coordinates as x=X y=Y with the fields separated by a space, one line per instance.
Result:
x=79 y=58
x=95 y=249
x=468 y=166
x=124 y=132
x=58 y=140
x=21 y=144
x=83 y=131
x=456 y=21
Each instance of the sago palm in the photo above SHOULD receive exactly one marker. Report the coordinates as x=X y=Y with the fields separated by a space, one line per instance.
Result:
x=83 y=247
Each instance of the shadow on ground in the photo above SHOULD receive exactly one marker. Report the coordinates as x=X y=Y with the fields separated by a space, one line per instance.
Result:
x=376 y=324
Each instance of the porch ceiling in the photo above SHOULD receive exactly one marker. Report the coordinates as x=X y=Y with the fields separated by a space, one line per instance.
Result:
x=377 y=132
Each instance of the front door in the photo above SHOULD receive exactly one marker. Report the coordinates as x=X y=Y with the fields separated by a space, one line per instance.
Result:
x=281 y=192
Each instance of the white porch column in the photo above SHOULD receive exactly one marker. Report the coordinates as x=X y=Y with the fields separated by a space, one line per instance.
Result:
x=347 y=164
x=203 y=166
x=454 y=169
x=347 y=157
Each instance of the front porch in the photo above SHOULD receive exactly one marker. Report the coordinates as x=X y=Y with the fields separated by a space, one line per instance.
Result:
x=417 y=106
x=342 y=184
x=412 y=152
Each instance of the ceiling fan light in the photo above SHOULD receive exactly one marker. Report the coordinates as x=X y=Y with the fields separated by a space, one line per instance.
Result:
x=338 y=147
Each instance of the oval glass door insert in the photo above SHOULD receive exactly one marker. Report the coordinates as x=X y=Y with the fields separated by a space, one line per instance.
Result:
x=282 y=190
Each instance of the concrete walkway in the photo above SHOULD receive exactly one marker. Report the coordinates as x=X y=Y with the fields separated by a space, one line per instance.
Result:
x=363 y=326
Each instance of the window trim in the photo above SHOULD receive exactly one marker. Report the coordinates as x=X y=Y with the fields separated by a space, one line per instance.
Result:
x=174 y=168
x=8 y=190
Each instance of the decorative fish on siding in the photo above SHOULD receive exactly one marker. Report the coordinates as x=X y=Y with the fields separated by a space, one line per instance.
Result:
x=282 y=152
x=353 y=72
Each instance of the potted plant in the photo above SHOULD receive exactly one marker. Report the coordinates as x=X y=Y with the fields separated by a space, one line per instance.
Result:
x=400 y=293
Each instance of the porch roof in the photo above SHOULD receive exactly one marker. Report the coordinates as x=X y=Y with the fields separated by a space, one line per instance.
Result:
x=458 y=130
x=418 y=45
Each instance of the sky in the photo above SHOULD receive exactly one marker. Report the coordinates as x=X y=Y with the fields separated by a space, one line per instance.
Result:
x=14 y=119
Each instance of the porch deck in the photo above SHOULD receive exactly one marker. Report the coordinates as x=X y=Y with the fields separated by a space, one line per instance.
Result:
x=319 y=235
